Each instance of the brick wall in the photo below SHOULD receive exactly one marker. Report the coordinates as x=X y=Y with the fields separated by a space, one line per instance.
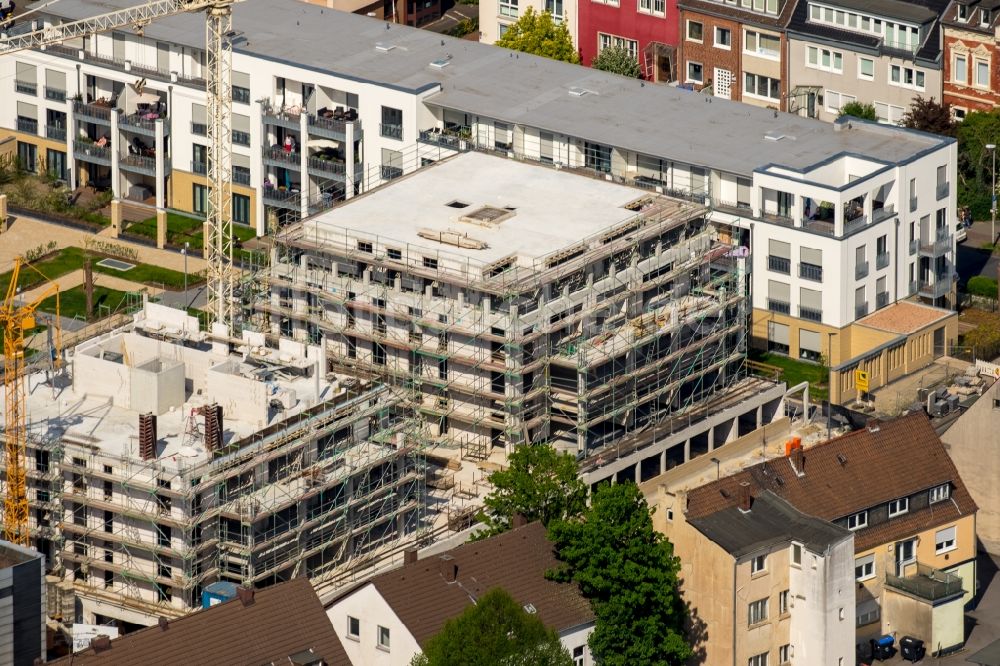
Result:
x=966 y=95
x=707 y=54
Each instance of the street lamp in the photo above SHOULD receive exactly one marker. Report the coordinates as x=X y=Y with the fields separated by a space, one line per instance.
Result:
x=992 y=147
x=184 y=251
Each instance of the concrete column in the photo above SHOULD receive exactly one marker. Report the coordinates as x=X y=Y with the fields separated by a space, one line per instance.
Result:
x=71 y=133
x=3 y=213
x=711 y=439
x=116 y=218
x=161 y=161
x=638 y=471
x=687 y=450
x=304 y=180
x=759 y=416
x=663 y=461
x=349 y=160
x=161 y=227
x=116 y=186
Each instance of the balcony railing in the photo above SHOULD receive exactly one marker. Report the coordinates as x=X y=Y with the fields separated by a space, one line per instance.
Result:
x=913 y=286
x=26 y=87
x=55 y=132
x=140 y=122
x=784 y=220
x=881 y=299
x=96 y=113
x=913 y=204
x=937 y=288
x=781 y=307
x=241 y=176
x=280 y=156
x=92 y=152
x=273 y=195
x=810 y=314
x=914 y=244
x=942 y=242
x=811 y=272
x=287 y=117
x=390 y=172
x=199 y=167
x=855 y=223
x=942 y=190
x=883 y=212
x=860 y=310
x=27 y=125
x=140 y=163
x=779 y=264
x=391 y=130
x=881 y=260
x=326 y=166
x=927 y=583
x=55 y=94
x=737 y=207
x=439 y=137
x=125 y=65
x=861 y=270
x=333 y=125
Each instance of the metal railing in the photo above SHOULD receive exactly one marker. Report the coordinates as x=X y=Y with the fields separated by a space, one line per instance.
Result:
x=881 y=299
x=442 y=138
x=102 y=113
x=124 y=65
x=913 y=204
x=326 y=166
x=137 y=121
x=942 y=190
x=241 y=176
x=199 y=167
x=781 y=307
x=55 y=94
x=278 y=154
x=390 y=172
x=854 y=224
x=55 y=132
x=785 y=220
x=779 y=264
x=811 y=272
x=138 y=162
x=332 y=124
x=199 y=129
x=275 y=195
x=861 y=270
x=26 y=87
x=914 y=244
x=27 y=125
x=241 y=95
x=927 y=583
x=881 y=260
x=881 y=213
x=810 y=313
x=391 y=131
x=942 y=242
x=936 y=289
x=912 y=287
x=860 y=310
x=83 y=148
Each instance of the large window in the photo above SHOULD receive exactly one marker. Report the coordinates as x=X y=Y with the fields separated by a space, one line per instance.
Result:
x=889 y=113
x=605 y=40
x=597 y=157
x=694 y=31
x=199 y=198
x=944 y=540
x=825 y=59
x=940 y=493
x=857 y=521
x=982 y=72
x=834 y=100
x=898 y=507
x=508 y=8
x=864 y=567
x=555 y=7
x=241 y=209
x=695 y=72
x=866 y=69
x=656 y=7
x=757 y=612
x=906 y=77
x=27 y=156
x=758 y=85
x=758 y=660
x=55 y=164
x=760 y=44
x=723 y=38
x=959 y=68
x=392 y=123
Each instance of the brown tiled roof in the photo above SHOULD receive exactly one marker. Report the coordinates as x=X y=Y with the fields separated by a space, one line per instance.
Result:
x=515 y=561
x=905 y=317
x=282 y=620
x=899 y=458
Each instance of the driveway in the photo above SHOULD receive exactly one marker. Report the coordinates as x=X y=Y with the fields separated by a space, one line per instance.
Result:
x=972 y=260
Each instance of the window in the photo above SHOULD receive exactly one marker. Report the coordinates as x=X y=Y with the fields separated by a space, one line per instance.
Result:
x=783 y=602
x=694 y=72
x=959 y=67
x=758 y=660
x=940 y=493
x=757 y=85
x=797 y=554
x=866 y=69
x=694 y=31
x=757 y=612
x=605 y=41
x=864 y=567
x=785 y=654
x=758 y=564
x=353 y=627
x=944 y=540
x=723 y=38
x=241 y=138
x=834 y=100
x=241 y=209
x=657 y=7
x=502 y=28
x=555 y=7
x=27 y=156
x=383 y=637
x=759 y=44
x=430 y=262
x=508 y=8
x=392 y=123
x=55 y=163
x=578 y=656
x=898 y=507
x=868 y=613
x=984 y=17
x=199 y=196
x=825 y=59
x=906 y=77
x=982 y=73
x=857 y=521
x=889 y=113
x=962 y=12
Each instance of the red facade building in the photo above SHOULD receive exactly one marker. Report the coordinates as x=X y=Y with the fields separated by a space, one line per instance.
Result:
x=971 y=62
x=647 y=28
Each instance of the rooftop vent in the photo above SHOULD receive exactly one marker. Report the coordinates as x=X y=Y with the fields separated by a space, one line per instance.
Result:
x=383 y=47
x=774 y=136
x=487 y=216
x=842 y=459
x=580 y=92
x=457 y=204
x=530 y=609
x=441 y=63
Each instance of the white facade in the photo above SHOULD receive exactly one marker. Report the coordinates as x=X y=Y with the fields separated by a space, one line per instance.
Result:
x=821 y=591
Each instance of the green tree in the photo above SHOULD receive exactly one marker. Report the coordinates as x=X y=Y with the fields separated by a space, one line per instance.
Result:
x=975 y=162
x=539 y=483
x=927 y=115
x=859 y=110
x=539 y=34
x=629 y=573
x=619 y=60
x=494 y=630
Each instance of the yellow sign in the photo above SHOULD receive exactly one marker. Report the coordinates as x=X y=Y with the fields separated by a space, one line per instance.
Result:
x=861 y=380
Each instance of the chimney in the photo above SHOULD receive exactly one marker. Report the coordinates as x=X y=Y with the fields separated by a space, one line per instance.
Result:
x=245 y=595
x=164 y=623
x=746 y=499
x=100 y=643
x=449 y=568
x=798 y=461
x=147 y=436
x=213 y=426
x=520 y=520
x=409 y=556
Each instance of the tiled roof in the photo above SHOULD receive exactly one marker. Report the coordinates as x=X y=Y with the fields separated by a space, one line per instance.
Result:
x=282 y=620
x=973 y=23
x=515 y=561
x=904 y=317
x=860 y=470
x=746 y=16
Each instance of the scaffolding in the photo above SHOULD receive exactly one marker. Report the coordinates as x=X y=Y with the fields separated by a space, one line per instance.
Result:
x=579 y=347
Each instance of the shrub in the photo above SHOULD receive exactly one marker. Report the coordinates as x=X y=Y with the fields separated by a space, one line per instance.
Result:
x=982 y=286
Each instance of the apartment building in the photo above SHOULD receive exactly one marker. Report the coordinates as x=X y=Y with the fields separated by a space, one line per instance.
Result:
x=773 y=585
x=496 y=16
x=738 y=51
x=884 y=53
x=971 y=78
x=647 y=30
x=914 y=530
x=22 y=605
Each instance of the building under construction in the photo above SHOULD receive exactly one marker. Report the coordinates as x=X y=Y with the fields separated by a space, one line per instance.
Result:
x=518 y=303
x=160 y=462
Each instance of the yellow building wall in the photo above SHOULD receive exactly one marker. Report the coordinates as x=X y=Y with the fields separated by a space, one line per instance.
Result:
x=768 y=584
x=840 y=340
x=181 y=192
x=41 y=143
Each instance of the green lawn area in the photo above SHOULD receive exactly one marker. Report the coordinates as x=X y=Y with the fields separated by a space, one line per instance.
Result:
x=73 y=302
x=184 y=229
x=152 y=275
x=65 y=261
x=794 y=372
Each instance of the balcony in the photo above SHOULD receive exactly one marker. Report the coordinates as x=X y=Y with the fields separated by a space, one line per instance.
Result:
x=942 y=190
x=883 y=212
x=927 y=583
x=27 y=125
x=326 y=167
x=333 y=127
x=291 y=199
x=287 y=117
x=55 y=132
x=881 y=300
x=125 y=66
x=91 y=152
x=861 y=270
x=811 y=272
x=781 y=307
x=881 y=260
x=55 y=94
x=391 y=131
x=277 y=156
x=93 y=112
x=860 y=310
x=775 y=218
x=734 y=207
x=810 y=314
x=912 y=286
x=141 y=123
x=439 y=137
x=913 y=204
x=855 y=223
x=200 y=168
x=26 y=87
x=941 y=244
x=779 y=264
x=139 y=164
x=936 y=289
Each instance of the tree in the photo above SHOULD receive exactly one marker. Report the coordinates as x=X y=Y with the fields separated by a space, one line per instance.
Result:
x=619 y=60
x=929 y=116
x=539 y=34
x=629 y=573
x=539 y=483
x=975 y=162
x=859 y=110
x=495 y=630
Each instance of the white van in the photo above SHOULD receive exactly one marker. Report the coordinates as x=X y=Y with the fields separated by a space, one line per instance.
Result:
x=960 y=233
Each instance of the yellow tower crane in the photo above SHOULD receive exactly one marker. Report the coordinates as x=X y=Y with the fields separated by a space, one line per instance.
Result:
x=16 y=319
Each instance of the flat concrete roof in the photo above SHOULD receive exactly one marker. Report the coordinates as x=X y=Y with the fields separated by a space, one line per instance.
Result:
x=905 y=317
x=552 y=209
x=657 y=120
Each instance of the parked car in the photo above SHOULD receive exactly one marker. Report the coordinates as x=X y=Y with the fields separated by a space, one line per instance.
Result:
x=960 y=233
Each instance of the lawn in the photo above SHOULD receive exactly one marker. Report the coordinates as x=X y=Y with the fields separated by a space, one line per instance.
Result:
x=73 y=302
x=794 y=372
x=184 y=229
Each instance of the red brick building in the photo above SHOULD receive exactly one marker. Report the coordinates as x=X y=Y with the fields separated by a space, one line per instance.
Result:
x=646 y=28
x=971 y=62
x=738 y=52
